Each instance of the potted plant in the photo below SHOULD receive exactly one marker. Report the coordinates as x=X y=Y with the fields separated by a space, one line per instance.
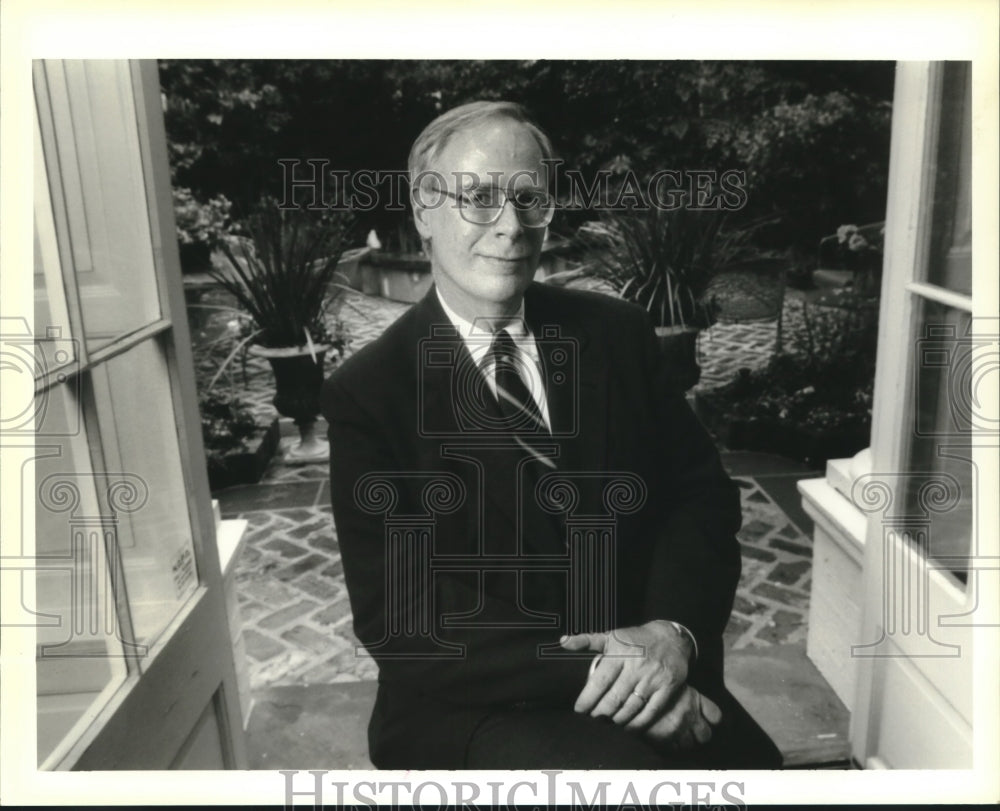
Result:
x=227 y=428
x=200 y=228
x=281 y=273
x=813 y=400
x=664 y=259
x=237 y=447
x=856 y=253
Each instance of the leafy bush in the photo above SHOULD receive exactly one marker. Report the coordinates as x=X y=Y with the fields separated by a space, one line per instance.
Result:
x=822 y=383
x=818 y=161
x=226 y=424
x=813 y=137
x=201 y=223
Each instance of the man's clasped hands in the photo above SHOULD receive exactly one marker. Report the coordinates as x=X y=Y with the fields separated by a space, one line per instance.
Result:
x=639 y=681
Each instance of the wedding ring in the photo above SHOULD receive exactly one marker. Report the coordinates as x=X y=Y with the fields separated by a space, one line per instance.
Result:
x=639 y=696
x=594 y=663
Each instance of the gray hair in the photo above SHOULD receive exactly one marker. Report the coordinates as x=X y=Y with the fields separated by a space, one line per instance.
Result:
x=435 y=137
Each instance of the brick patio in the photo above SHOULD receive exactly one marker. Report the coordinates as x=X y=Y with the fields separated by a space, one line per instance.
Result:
x=297 y=620
x=296 y=617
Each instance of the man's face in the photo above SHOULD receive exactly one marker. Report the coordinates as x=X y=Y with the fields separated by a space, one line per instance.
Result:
x=484 y=269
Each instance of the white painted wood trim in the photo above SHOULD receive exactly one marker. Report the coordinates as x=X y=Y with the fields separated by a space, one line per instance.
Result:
x=931 y=292
x=844 y=522
x=841 y=474
x=913 y=145
x=230 y=539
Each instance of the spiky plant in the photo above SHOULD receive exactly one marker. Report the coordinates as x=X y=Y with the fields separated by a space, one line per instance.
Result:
x=664 y=258
x=283 y=277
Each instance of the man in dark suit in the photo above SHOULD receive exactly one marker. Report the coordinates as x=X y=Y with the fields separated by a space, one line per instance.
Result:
x=538 y=537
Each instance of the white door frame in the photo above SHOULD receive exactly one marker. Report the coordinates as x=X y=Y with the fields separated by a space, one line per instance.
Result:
x=187 y=674
x=915 y=705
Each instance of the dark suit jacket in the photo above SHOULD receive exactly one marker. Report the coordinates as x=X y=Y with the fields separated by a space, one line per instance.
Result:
x=394 y=427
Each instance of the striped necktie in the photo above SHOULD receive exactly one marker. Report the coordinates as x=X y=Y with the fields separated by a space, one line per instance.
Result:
x=519 y=409
x=524 y=425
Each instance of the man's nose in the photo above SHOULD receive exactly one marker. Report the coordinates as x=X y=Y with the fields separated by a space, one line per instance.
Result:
x=508 y=222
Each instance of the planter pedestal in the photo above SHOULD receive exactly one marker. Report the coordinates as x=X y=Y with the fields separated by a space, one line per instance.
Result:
x=298 y=378
x=309 y=447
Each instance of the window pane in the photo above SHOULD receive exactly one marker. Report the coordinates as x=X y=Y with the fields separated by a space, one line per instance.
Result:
x=102 y=187
x=139 y=440
x=944 y=418
x=79 y=654
x=49 y=327
x=54 y=349
x=950 y=262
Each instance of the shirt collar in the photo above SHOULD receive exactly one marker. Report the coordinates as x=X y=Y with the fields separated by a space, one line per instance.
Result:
x=516 y=326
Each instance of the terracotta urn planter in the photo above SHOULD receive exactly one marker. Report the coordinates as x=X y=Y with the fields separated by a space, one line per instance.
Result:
x=298 y=377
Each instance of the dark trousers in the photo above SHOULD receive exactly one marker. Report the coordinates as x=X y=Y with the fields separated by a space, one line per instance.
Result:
x=539 y=738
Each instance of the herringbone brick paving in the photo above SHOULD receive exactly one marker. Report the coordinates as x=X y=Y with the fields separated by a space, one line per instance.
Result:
x=296 y=617
x=297 y=620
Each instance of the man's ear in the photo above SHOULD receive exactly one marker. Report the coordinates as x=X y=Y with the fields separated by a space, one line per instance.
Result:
x=421 y=218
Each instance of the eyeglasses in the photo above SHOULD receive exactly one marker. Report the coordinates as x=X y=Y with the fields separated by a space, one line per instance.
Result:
x=483 y=206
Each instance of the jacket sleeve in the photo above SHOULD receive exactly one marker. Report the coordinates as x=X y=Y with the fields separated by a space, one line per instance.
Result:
x=495 y=665
x=696 y=562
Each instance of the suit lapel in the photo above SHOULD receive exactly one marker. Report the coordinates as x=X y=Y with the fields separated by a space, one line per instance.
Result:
x=574 y=368
x=438 y=350
x=450 y=422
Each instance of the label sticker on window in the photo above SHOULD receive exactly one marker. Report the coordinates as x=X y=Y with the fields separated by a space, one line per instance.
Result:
x=183 y=571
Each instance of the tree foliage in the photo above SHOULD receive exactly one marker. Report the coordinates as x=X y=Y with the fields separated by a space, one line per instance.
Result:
x=813 y=137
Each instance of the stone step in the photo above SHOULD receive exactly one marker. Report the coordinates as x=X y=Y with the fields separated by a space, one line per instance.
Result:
x=324 y=726
x=315 y=726
x=782 y=689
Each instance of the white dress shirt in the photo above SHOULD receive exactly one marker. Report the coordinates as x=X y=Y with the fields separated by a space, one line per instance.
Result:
x=478 y=339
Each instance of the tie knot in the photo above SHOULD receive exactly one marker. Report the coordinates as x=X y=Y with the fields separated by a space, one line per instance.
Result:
x=512 y=378
x=503 y=345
